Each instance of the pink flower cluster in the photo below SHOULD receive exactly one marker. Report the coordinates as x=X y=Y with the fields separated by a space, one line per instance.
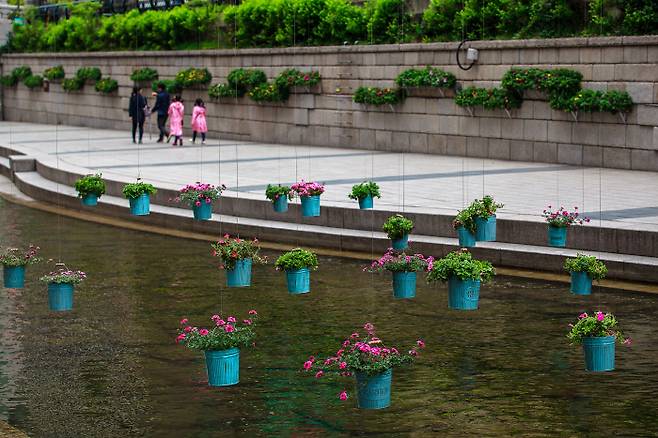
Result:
x=304 y=188
x=400 y=262
x=228 y=326
x=563 y=218
x=199 y=193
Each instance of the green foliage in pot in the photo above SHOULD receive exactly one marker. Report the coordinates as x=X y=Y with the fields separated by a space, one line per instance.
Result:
x=594 y=268
x=296 y=259
x=33 y=81
x=244 y=79
x=378 y=96
x=145 y=74
x=22 y=72
x=364 y=189
x=90 y=184
x=54 y=73
x=89 y=74
x=426 y=77
x=462 y=265
x=170 y=85
x=488 y=98
x=595 y=100
x=73 y=84
x=8 y=80
x=230 y=250
x=466 y=218
x=135 y=190
x=273 y=192
x=397 y=226
x=106 y=86
x=486 y=206
x=192 y=77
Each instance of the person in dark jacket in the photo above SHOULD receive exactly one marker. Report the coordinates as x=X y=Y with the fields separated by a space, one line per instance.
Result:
x=162 y=101
x=136 y=109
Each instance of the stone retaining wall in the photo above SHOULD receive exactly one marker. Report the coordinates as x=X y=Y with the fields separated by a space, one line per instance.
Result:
x=421 y=124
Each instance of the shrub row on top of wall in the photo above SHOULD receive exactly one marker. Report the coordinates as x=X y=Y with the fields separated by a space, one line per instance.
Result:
x=267 y=23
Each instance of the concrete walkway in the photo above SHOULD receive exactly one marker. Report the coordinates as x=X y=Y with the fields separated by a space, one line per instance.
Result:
x=409 y=182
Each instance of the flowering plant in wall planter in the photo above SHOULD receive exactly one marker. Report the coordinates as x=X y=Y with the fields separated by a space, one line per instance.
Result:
x=297 y=264
x=106 y=86
x=200 y=196
x=279 y=196
x=33 y=81
x=364 y=193
x=464 y=275
x=237 y=256
x=144 y=75
x=219 y=91
x=597 y=333
x=90 y=188
x=73 y=84
x=61 y=284
x=171 y=85
x=584 y=269
x=269 y=92
x=18 y=74
x=290 y=78
x=558 y=222
x=488 y=98
x=428 y=77
x=14 y=261
x=404 y=268
x=193 y=77
x=370 y=361
x=379 y=96
x=88 y=74
x=221 y=345
x=398 y=227
x=139 y=197
x=55 y=73
x=309 y=193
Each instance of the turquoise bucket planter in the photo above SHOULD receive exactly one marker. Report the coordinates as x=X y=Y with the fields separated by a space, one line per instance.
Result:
x=299 y=281
x=140 y=206
x=90 y=200
x=366 y=202
x=599 y=353
x=202 y=212
x=485 y=229
x=557 y=236
x=240 y=276
x=466 y=238
x=401 y=243
x=281 y=204
x=404 y=284
x=374 y=392
x=14 y=277
x=310 y=206
x=223 y=367
x=581 y=283
x=60 y=296
x=463 y=294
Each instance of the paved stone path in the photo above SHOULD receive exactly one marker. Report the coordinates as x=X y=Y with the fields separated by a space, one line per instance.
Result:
x=409 y=182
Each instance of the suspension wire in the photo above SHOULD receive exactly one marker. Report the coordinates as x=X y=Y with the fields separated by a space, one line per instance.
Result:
x=59 y=195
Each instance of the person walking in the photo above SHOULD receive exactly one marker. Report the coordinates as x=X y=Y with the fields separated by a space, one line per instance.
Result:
x=176 y=113
x=199 y=124
x=136 y=111
x=162 y=101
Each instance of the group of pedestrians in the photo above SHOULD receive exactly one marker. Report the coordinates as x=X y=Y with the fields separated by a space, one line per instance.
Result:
x=167 y=108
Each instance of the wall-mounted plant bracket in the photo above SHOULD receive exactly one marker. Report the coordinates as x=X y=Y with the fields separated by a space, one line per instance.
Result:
x=574 y=114
x=623 y=117
x=508 y=112
x=470 y=110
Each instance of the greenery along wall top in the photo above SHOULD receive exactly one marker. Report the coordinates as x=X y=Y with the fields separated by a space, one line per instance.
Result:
x=266 y=23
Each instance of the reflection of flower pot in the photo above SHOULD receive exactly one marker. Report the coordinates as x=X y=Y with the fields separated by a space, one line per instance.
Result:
x=60 y=296
x=485 y=228
x=14 y=277
x=466 y=238
x=281 y=204
x=557 y=236
x=299 y=281
x=140 y=206
x=404 y=284
x=310 y=206
x=463 y=294
x=599 y=353
x=90 y=199
x=400 y=243
x=366 y=202
x=374 y=392
x=223 y=367
x=581 y=283
x=202 y=212
x=240 y=275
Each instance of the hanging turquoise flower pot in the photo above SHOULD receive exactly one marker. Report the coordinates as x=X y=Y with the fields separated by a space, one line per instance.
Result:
x=599 y=353
x=223 y=367
x=374 y=392
x=281 y=204
x=240 y=275
x=14 y=277
x=90 y=199
x=310 y=206
x=60 y=296
x=299 y=281
x=401 y=243
x=463 y=294
x=404 y=284
x=485 y=229
x=466 y=237
x=202 y=212
x=581 y=283
x=141 y=205
x=366 y=202
x=557 y=236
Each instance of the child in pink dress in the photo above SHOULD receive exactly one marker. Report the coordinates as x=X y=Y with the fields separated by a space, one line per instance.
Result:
x=176 y=112
x=199 y=121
